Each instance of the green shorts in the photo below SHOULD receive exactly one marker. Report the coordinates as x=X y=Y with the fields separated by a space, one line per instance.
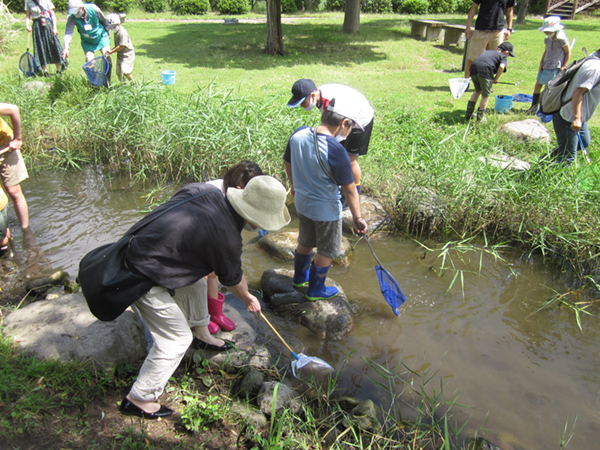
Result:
x=483 y=85
x=326 y=236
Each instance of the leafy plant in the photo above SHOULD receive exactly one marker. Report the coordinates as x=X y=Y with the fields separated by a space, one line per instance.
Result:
x=335 y=5
x=233 y=6
x=198 y=413
x=120 y=5
x=193 y=7
x=442 y=6
x=289 y=6
x=8 y=33
x=415 y=6
x=463 y=6
x=376 y=6
x=154 y=6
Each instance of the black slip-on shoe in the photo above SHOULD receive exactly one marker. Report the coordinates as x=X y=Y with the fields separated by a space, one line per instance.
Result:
x=130 y=409
x=201 y=345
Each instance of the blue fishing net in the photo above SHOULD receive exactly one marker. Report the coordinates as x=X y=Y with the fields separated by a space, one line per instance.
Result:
x=96 y=70
x=28 y=65
x=390 y=289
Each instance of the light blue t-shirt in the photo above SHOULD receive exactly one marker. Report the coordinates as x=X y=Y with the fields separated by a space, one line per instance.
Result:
x=317 y=197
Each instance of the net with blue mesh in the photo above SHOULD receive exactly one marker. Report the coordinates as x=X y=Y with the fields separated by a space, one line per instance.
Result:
x=390 y=289
x=96 y=70
x=28 y=65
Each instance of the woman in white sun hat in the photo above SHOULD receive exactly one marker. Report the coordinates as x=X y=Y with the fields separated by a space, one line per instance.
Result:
x=555 y=58
x=176 y=250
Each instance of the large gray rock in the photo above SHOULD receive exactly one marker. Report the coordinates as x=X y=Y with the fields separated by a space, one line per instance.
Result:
x=248 y=413
x=285 y=398
x=377 y=218
x=421 y=208
x=527 y=130
x=327 y=319
x=505 y=162
x=37 y=86
x=250 y=351
x=65 y=329
x=283 y=244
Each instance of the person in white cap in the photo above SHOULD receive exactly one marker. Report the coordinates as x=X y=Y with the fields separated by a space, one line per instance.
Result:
x=123 y=48
x=306 y=94
x=317 y=165
x=176 y=250
x=93 y=30
x=555 y=58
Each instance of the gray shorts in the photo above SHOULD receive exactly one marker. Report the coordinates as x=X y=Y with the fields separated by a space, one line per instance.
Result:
x=483 y=85
x=326 y=236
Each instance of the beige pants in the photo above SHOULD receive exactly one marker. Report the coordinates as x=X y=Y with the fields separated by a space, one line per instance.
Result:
x=169 y=320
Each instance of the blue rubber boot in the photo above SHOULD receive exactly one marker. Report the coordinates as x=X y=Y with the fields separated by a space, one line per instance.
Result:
x=316 y=284
x=301 y=268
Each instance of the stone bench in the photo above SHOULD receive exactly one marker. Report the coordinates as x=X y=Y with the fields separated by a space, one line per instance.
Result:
x=453 y=33
x=429 y=30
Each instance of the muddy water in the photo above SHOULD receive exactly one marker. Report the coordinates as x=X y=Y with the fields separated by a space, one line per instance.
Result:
x=522 y=374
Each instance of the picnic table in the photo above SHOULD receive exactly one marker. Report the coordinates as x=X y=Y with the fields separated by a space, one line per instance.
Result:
x=429 y=30
x=453 y=33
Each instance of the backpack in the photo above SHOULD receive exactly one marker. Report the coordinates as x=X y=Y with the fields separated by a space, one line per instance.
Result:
x=551 y=98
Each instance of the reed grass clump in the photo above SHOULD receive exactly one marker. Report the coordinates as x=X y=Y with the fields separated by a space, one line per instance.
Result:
x=429 y=171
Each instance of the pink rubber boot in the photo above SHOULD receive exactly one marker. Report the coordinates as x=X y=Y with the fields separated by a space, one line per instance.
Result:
x=213 y=327
x=215 y=309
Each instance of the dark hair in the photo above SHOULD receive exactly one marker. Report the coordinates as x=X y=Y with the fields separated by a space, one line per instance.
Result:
x=240 y=174
x=333 y=119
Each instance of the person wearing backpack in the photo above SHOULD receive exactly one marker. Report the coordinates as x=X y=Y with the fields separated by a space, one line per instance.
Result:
x=555 y=58
x=583 y=92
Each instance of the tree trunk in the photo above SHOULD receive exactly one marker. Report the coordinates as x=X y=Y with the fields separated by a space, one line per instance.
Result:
x=352 y=16
x=274 y=34
x=522 y=11
x=309 y=5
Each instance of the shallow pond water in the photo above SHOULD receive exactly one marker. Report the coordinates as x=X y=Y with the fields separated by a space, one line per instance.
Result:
x=522 y=374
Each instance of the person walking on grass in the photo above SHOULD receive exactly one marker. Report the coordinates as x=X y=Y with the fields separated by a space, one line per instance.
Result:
x=92 y=26
x=490 y=27
x=12 y=166
x=571 y=120
x=485 y=72
x=176 y=248
x=555 y=58
x=40 y=20
x=123 y=48
x=306 y=94
x=316 y=170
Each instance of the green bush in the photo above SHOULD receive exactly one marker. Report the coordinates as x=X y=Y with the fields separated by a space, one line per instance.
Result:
x=376 y=6
x=289 y=6
x=154 y=6
x=463 y=6
x=415 y=6
x=60 y=5
x=441 y=6
x=335 y=5
x=233 y=6
x=195 y=7
x=396 y=6
x=120 y=5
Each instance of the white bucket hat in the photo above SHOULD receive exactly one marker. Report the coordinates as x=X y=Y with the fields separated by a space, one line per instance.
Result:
x=112 y=20
x=261 y=202
x=73 y=6
x=551 y=24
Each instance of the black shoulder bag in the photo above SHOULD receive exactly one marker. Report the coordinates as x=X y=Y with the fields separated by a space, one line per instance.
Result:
x=109 y=287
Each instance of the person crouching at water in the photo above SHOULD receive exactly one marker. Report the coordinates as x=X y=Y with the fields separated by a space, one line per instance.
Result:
x=177 y=250
x=92 y=27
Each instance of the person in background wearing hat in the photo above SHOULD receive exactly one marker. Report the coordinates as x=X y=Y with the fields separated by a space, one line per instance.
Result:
x=12 y=166
x=485 y=72
x=123 y=48
x=584 y=90
x=177 y=250
x=306 y=94
x=315 y=175
x=92 y=27
x=490 y=28
x=555 y=58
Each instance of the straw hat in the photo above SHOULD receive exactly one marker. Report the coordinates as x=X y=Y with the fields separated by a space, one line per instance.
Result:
x=551 y=24
x=261 y=202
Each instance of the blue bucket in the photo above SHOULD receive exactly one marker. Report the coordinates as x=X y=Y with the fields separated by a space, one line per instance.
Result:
x=504 y=103
x=168 y=76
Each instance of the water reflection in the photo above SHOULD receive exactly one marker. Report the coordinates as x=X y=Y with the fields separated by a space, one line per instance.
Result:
x=523 y=373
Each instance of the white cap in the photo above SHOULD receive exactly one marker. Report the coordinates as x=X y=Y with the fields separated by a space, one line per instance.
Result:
x=73 y=6
x=346 y=107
